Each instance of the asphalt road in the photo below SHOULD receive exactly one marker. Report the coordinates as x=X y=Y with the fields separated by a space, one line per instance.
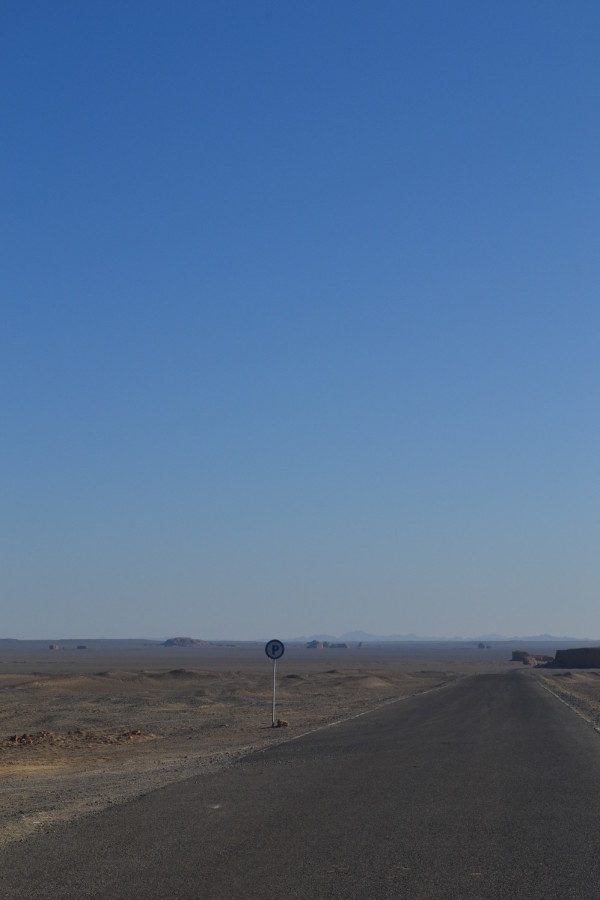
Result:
x=489 y=788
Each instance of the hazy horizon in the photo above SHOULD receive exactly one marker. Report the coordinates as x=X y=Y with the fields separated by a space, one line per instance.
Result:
x=352 y=637
x=300 y=318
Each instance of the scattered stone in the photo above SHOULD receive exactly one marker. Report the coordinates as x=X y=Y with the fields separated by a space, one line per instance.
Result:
x=27 y=740
x=74 y=737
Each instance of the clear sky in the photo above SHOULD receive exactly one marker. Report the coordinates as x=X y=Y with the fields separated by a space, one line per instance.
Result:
x=299 y=318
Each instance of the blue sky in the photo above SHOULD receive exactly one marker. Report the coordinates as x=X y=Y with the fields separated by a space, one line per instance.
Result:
x=300 y=318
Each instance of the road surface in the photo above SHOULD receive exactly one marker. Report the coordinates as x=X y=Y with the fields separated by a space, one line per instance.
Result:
x=488 y=788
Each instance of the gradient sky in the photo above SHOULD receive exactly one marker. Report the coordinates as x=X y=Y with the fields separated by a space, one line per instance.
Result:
x=300 y=318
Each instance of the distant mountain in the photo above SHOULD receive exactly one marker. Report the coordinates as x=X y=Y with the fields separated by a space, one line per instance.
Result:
x=313 y=637
x=356 y=636
x=365 y=636
x=536 y=637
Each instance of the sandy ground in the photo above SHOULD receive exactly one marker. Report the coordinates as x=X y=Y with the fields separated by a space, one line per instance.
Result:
x=82 y=730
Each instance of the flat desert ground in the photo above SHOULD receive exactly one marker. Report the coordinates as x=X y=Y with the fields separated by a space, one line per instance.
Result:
x=82 y=729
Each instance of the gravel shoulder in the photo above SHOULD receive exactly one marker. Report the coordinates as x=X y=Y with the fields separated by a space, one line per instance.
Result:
x=578 y=689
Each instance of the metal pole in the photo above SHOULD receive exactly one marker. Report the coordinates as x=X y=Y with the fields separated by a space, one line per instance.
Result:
x=273 y=713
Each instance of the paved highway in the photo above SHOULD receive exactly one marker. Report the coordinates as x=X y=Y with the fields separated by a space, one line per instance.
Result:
x=489 y=788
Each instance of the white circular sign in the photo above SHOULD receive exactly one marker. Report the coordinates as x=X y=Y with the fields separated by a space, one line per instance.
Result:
x=274 y=649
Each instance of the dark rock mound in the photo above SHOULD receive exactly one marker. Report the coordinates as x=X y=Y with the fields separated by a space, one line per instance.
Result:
x=578 y=658
x=183 y=642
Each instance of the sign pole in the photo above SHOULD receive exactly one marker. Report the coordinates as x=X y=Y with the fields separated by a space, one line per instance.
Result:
x=274 y=650
x=273 y=713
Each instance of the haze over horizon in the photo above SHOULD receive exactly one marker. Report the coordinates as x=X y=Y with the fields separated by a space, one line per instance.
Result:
x=351 y=637
x=300 y=319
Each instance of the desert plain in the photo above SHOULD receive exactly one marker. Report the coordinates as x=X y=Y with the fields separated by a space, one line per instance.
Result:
x=83 y=729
